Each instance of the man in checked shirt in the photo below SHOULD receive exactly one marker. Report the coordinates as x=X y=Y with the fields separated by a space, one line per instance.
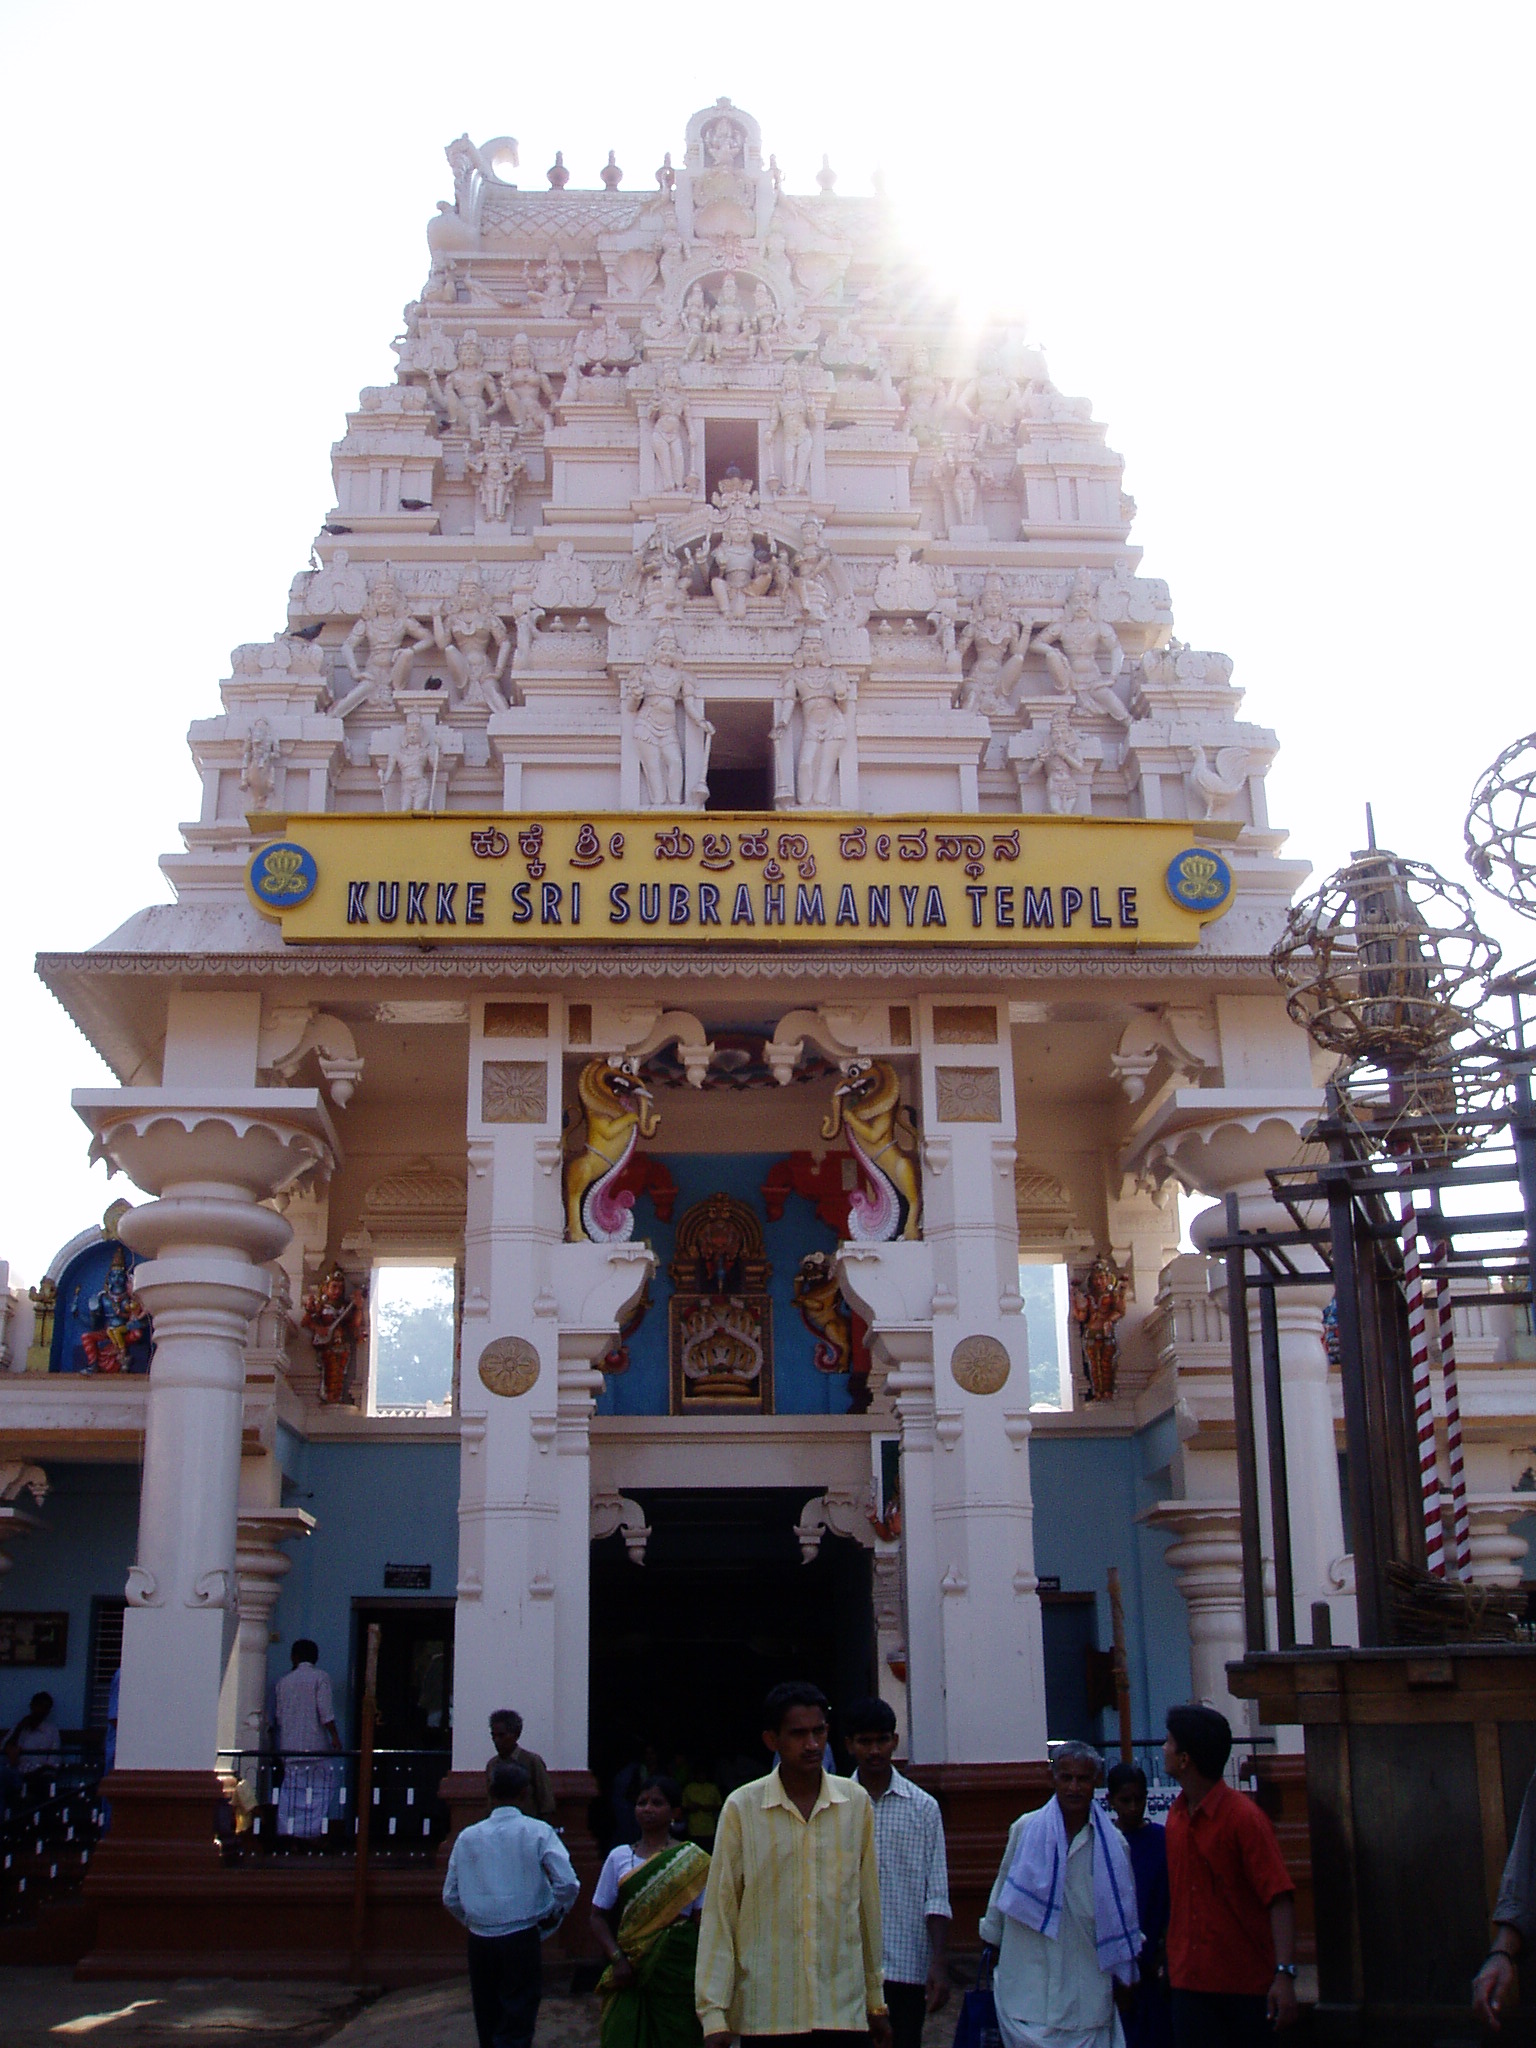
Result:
x=914 y=1878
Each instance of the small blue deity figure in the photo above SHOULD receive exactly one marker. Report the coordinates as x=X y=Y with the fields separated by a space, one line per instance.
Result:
x=119 y=1335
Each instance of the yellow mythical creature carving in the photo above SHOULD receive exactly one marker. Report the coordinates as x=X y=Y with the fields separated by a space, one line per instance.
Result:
x=824 y=1312
x=618 y=1109
x=867 y=1104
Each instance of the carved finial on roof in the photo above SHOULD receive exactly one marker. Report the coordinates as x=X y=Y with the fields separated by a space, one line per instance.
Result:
x=666 y=177
x=610 y=174
x=826 y=177
x=559 y=177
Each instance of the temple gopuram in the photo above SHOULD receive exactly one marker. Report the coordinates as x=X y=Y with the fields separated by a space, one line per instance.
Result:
x=729 y=884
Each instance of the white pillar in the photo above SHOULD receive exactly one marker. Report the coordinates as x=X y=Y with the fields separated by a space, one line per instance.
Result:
x=212 y=1159
x=1207 y=1563
x=261 y=1565
x=1497 y=1552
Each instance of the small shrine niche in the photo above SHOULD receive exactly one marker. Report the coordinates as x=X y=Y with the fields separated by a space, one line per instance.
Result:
x=721 y=1327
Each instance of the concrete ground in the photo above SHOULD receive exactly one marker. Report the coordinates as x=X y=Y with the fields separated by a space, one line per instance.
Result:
x=48 y=2009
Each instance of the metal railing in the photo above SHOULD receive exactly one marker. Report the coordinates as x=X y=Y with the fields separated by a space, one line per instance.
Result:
x=304 y=1805
x=50 y=1822
x=1147 y=1752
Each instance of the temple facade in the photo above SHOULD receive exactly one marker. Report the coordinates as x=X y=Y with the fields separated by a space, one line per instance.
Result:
x=728 y=862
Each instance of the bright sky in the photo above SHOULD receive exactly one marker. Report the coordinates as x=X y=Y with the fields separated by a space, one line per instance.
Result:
x=1286 y=250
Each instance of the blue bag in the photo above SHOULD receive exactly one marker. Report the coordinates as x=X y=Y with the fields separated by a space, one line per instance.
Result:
x=977 y=2025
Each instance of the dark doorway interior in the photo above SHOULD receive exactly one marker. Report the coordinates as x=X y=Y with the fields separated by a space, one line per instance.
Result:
x=415 y=1683
x=685 y=1647
x=729 y=444
x=1070 y=1626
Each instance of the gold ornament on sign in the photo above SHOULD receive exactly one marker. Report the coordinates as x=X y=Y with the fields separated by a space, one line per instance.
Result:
x=509 y=1365
x=980 y=1365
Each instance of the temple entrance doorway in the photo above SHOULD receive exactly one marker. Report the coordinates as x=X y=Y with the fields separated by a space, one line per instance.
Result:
x=415 y=1679
x=685 y=1646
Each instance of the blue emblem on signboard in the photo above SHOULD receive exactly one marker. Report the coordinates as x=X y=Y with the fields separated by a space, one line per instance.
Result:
x=1199 y=880
x=284 y=876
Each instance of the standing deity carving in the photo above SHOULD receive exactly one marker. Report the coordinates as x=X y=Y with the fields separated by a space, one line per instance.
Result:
x=670 y=439
x=927 y=399
x=997 y=641
x=337 y=1322
x=495 y=466
x=467 y=396
x=1098 y=1304
x=392 y=638
x=796 y=439
x=258 y=770
x=525 y=391
x=467 y=637
x=1063 y=760
x=959 y=479
x=653 y=694
x=824 y=697
x=1072 y=646
x=812 y=582
x=415 y=755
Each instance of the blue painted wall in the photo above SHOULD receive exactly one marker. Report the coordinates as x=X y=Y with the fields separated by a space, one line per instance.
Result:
x=798 y=1388
x=1088 y=1493
x=374 y=1504
x=84 y=1548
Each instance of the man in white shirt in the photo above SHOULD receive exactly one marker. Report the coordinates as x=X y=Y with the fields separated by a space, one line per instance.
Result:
x=306 y=1727
x=914 y=1874
x=510 y=1883
x=1062 y=1917
x=35 y=1738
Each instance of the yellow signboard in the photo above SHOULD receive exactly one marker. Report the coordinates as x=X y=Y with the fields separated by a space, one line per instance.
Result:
x=739 y=878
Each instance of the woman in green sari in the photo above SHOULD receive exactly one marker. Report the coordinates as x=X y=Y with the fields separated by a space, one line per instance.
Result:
x=645 y=1920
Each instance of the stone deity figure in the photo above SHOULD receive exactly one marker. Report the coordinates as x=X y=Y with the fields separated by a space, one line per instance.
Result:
x=556 y=288
x=119 y=1335
x=1072 y=646
x=960 y=481
x=728 y=320
x=466 y=637
x=927 y=400
x=467 y=396
x=525 y=391
x=824 y=696
x=653 y=695
x=792 y=422
x=1098 y=1304
x=414 y=754
x=1063 y=760
x=765 y=322
x=672 y=261
x=996 y=404
x=392 y=637
x=258 y=772
x=495 y=466
x=737 y=573
x=702 y=341
x=998 y=644
x=669 y=437
x=337 y=1322
x=813 y=573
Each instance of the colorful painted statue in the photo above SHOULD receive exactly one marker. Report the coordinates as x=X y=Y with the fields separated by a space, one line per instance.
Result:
x=867 y=1103
x=337 y=1322
x=120 y=1335
x=618 y=1111
x=824 y=1312
x=1098 y=1303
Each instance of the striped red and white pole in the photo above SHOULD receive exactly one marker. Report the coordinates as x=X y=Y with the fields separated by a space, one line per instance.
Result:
x=1452 y=1388
x=1423 y=1400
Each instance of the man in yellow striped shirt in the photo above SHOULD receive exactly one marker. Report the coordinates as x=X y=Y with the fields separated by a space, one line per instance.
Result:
x=789 y=1945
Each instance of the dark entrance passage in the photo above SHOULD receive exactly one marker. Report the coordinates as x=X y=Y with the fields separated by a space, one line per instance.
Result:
x=415 y=1683
x=685 y=1646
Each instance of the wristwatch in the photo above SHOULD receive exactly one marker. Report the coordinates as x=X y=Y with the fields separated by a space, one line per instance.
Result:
x=1285 y=1970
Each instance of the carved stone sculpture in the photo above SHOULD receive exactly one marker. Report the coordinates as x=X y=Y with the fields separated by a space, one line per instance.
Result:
x=905 y=585
x=1063 y=761
x=994 y=401
x=812 y=581
x=796 y=441
x=258 y=769
x=996 y=643
x=654 y=694
x=475 y=644
x=959 y=480
x=392 y=638
x=737 y=573
x=337 y=1322
x=555 y=290
x=467 y=396
x=415 y=755
x=525 y=391
x=670 y=437
x=618 y=1110
x=823 y=696
x=1098 y=1304
x=1072 y=646
x=866 y=1104
x=495 y=465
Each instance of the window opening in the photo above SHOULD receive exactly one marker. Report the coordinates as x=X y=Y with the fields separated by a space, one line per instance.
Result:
x=1047 y=1312
x=728 y=442
x=106 y=1653
x=412 y=1321
x=740 y=756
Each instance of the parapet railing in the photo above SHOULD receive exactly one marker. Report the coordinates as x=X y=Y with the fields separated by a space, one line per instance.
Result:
x=306 y=1804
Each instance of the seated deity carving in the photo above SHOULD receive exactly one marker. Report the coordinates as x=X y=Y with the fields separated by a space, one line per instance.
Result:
x=996 y=643
x=553 y=292
x=392 y=639
x=467 y=396
x=1072 y=646
x=475 y=644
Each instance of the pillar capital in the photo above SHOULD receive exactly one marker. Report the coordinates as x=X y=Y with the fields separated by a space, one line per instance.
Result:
x=256 y=1140
x=1207 y=1563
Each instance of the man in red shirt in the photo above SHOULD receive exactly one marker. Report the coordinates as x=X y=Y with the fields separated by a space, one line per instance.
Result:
x=1232 y=1919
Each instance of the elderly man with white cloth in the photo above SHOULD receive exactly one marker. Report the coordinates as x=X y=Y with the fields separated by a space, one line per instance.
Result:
x=1062 y=1917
